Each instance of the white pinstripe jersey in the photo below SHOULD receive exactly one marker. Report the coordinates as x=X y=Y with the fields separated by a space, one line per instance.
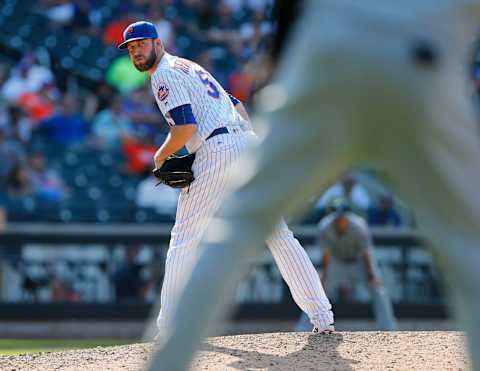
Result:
x=178 y=81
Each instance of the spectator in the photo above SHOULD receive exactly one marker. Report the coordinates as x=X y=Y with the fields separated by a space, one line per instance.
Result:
x=142 y=112
x=203 y=17
x=16 y=84
x=59 y=12
x=31 y=287
x=191 y=26
x=241 y=82
x=205 y=60
x=19 y=183
x=223 y=29
x=16 y=125
x=259 y=5
x=38 y=75
x=47 y=184
x=3 y=218
x=4 y=71
x=62 y=291
x=256 y=29
x=162 y=197
x=66 y=126
x=164 y=27
x=74 y=15
x=98 y=99
x=27 y=77
x=123 y=75
x=81 y=21
x=136 y=8
x=39 y=105
x=110 y=126
x=349 y=260
x=350 y=190
x=139 y=153
x=3 y=212
x=234 y=5
x=11 y=153
x=385 y=214
x=113 y=34
x=129 y=284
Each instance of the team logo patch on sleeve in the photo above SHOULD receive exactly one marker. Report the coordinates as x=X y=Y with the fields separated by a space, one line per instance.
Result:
x=162 y=92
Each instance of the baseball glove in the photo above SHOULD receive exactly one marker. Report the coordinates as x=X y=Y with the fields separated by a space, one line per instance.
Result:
x=176 y=171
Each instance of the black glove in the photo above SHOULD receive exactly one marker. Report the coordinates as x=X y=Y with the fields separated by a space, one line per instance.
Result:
x=176 y=171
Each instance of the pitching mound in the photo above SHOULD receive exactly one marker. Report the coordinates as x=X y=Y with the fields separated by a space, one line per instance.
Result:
x=280 y=351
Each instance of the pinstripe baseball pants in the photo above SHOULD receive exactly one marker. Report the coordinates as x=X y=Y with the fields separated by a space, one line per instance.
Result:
x=213 y=169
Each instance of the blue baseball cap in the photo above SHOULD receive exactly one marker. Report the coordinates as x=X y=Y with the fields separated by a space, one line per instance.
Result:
x=137 y=31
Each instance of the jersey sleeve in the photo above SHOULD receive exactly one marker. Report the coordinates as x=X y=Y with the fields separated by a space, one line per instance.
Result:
x=170 y=90
x=182 y=115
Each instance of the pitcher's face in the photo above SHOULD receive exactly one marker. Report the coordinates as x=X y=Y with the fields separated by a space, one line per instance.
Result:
x=142 y=53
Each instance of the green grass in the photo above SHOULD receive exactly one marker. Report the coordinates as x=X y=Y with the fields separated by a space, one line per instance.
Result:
x=21 y=346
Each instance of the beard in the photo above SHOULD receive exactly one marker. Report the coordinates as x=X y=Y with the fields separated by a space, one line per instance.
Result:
x=145 y=66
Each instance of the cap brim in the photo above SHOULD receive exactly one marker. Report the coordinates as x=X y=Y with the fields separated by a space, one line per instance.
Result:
x=124 y=44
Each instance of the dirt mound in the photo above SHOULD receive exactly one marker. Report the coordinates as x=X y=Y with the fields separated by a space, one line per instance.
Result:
x=433 y=350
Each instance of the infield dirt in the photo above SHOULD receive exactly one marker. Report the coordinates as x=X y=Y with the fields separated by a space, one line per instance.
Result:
x=432 y=350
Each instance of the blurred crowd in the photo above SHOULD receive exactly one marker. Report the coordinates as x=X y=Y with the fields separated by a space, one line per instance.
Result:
x=223 y=36
x=43 y=116
x=118 y=113
x=33 y=107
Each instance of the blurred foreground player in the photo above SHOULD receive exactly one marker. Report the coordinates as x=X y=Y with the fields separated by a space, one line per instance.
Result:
x=384 y=83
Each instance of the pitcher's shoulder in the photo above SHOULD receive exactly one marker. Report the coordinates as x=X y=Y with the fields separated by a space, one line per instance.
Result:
x=168 y=72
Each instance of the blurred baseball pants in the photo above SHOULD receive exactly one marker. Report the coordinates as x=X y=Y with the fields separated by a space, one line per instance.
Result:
x=371 y=82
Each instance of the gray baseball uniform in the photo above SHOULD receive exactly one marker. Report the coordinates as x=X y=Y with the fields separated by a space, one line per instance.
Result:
x=373 y=81
x=346 y=266
x=352 y=244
